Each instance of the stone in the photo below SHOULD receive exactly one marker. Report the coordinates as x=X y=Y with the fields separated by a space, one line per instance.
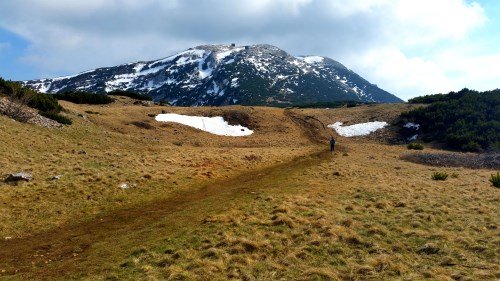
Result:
x=429 y=249
x=21 y=176
x=126 y=185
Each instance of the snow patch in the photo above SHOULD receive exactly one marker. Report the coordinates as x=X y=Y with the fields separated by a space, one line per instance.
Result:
x=410 y=125
x=215 y=88
x=361 y=129
x=204 y=73
x=214 y=125
x=312 y=59
x=234 y=83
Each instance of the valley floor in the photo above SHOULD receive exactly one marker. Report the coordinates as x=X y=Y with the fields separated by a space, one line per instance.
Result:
x=275 y=205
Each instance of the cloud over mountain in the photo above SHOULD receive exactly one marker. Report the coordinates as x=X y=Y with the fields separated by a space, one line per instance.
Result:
x=396 y=44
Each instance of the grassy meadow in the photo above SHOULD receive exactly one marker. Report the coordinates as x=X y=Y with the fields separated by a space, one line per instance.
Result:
x=275 y=205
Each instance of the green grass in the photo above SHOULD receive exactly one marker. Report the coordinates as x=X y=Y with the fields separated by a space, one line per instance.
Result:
x=439 y=176
x=495 y=180
x=415 y=146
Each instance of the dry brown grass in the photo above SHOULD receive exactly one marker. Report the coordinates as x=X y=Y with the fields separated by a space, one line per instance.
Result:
x=361 y=214
x=98 y=153
x=373 y=222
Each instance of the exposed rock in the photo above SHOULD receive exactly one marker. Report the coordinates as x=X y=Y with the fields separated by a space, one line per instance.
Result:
x=429 y=249
x=57 y=177
x=127 y=185
x=143 y=103
x=21 y=176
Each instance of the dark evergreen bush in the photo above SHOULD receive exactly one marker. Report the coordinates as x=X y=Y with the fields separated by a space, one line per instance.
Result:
x=46 y=104
x=466 y=120
x=495 y=180
x=84 y=97
x=130 y=94
x=439 y=176
x=415 y=146
x=56 y=117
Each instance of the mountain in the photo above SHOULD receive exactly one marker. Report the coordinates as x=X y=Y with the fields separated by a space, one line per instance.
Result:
x=223 y=75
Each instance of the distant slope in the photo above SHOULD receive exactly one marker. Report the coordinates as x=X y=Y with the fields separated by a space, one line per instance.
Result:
x=224 y=75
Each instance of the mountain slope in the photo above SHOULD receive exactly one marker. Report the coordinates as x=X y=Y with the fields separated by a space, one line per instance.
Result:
x=222 y=75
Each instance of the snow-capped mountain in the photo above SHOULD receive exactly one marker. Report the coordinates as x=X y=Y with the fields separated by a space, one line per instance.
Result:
x=223 y=75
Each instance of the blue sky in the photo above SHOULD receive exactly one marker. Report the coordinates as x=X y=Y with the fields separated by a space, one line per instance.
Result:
x=406 y=47
x=12 y=49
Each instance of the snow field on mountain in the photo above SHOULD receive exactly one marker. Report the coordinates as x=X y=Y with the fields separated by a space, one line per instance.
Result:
x=313 y=59
x=361 y=129
x=214 y=125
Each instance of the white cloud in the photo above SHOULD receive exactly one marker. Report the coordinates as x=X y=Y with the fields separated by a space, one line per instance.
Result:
x=394 y=71
x=384 y=40
x=469 y=70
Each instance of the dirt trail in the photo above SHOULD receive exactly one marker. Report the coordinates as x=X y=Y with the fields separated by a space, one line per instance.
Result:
x=68 y=250
x=311 y=127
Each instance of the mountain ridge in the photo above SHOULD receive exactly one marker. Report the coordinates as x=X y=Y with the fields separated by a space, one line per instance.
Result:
x=225 y=75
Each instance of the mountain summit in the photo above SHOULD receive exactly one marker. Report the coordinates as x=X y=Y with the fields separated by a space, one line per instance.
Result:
x=225 y=75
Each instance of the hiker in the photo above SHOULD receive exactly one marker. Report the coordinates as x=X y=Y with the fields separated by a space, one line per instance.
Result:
x=332 y=145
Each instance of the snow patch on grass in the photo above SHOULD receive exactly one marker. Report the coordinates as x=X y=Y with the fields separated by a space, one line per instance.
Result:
x=361 y=129
x=214 y=125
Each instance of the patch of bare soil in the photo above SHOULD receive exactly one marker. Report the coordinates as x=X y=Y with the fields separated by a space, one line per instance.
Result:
x=312 y=127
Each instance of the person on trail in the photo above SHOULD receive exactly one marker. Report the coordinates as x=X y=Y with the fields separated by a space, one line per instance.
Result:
x=332 y=144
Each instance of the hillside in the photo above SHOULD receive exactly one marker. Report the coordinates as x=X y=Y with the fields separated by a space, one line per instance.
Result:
x=141 y=199
x=227 y=75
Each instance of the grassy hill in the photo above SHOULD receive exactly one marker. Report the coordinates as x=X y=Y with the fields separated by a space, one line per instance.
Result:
x=273 y=205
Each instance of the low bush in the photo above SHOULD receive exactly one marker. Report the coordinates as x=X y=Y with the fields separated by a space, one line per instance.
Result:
x=44 y=102
x=495 y=180
x=20 y=96
x=84 y=97
x=466 y=120
x=439 y=176
x=130 y=94
x=56 y=117
x=415 y=146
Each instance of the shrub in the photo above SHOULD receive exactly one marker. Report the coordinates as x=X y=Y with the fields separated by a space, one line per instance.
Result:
x=44 y=102
x=130 y=94
x=415 y=146
x=84 y=97
x=56 y=117
x=466 y=120
x=495 y=180
x=18 y=98
x=439 y=176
